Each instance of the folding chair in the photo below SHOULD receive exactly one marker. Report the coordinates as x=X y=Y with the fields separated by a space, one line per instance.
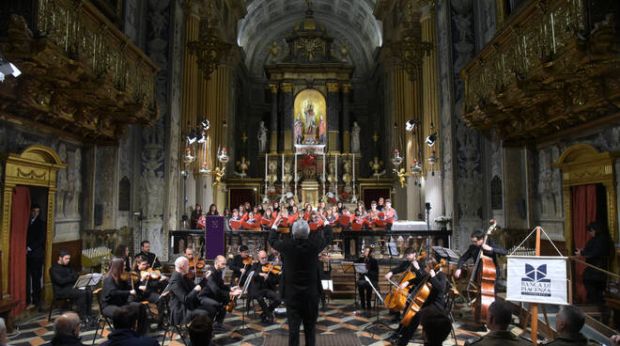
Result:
x=170 y=326
x=102 y=318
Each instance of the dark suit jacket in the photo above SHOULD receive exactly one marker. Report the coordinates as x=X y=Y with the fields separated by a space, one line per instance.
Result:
x=473 y=250
x=150 y=257
x=439 y=283
x=36 y=238
x=401 y=267
x=215 y=288
x=259 y=283
x=596 y=253
x=301 y=272
x=127 y=337
x=114 y=293
x=63 y=279
x=183 y=297
x=373 y=269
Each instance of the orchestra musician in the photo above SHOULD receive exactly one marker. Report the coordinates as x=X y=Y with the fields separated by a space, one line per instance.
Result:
x=264 y=284
x=429 y=273
x=122 y=251
x=240 y=264
x=300 y=283
x=63 y=279
x=365 y=291
x=489 y=249
x=119 y=290
x=145 y=251
x=216 y=290
x=405 y=265
x=184 y=304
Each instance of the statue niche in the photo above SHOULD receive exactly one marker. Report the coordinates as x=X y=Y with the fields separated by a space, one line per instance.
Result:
x=310 y=124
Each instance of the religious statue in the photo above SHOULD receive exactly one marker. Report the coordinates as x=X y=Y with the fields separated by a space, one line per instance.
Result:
x=310 y=121
x=376 y=165
x=402 y=177
x=287 y=178
x=243 y=166
x=262 y=137
x=346 y=176
x=272 y=172
x=355 y=138
x=298 y=131
x=218 y=173
x=322 y=130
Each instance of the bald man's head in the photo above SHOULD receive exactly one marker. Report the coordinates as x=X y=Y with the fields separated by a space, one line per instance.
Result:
x=67 y=324
x=181 y=265
x=262 y=256
x=219 y=262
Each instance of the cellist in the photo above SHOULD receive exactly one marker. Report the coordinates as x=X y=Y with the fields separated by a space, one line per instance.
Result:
x=489 y=249
x=429 y=274
x=404 y=266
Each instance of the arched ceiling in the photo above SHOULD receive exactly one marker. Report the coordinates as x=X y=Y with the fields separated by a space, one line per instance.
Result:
x=351 y=23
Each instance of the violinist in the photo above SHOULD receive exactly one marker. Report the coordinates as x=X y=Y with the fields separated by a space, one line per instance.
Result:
x=263 y=287
x=149 y=283
x=215 y=289
x=145 y=251
x=184 y=303
x=428 y=272
x=122 y=251
x=365 y=291
x=118 y=288
x=240 y=264
x=63 y=279
x=274 y=257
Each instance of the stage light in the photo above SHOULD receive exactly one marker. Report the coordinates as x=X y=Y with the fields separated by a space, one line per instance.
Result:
x=430 y=140
x=410 y=125
x=8 y=69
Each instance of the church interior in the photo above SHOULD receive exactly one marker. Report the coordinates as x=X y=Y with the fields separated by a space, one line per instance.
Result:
x=396 y=129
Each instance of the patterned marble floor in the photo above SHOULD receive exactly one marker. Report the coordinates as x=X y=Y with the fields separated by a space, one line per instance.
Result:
x=340 y=317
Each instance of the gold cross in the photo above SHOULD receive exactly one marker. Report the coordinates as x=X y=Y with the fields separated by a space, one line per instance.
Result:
x=244 y=137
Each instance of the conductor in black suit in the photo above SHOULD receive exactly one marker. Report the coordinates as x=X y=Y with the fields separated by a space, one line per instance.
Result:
x=35 y=250
x=300 y=283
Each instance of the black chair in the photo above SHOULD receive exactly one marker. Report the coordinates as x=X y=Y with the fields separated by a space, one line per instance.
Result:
x=102 y=319
x=169 y=326
x=59 y=303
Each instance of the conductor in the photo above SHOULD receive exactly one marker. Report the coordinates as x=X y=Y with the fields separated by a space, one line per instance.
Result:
x=300 y=283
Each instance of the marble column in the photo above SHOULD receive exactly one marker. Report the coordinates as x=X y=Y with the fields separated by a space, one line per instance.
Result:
x=333 y=117
x=346 y=121
x=287 y=116
x=273 y=146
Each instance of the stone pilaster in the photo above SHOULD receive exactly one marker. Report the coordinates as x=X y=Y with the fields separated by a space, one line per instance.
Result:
x=287 y=116
x=346 y=118
x=333 y=117
x=273 y=145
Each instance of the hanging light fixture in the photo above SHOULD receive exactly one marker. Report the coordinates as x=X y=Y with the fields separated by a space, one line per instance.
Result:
x=210 y=49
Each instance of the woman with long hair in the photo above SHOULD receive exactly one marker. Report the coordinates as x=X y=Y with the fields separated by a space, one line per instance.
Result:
x=122 y=252
x=118 y=291
x=213 y=210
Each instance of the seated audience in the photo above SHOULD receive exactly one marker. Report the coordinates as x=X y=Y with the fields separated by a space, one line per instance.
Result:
x=436 y=326
x=66 y=331
x=201 y=331
x=498 y=320
x=3 y=336
x=568 y=324
x=125 y=322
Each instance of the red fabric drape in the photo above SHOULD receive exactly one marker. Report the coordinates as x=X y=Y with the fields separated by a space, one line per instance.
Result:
x=584 y=212
x=20 y=217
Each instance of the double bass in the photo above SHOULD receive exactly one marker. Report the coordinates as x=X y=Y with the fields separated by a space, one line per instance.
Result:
x=483 y=284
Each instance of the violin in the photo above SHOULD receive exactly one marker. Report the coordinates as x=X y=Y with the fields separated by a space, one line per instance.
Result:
x=150 y=274
x=270 y=268
x=196 y=268
x=247 y=261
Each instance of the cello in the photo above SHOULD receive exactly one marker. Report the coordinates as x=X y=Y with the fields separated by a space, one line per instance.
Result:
x=423 y=291
x=483 y=283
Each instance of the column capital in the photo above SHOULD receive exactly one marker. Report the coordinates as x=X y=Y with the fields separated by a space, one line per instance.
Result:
x=286 y=87
x=333 y=87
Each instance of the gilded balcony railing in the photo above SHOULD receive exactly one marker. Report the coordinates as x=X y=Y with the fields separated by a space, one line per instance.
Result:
x=536 y=75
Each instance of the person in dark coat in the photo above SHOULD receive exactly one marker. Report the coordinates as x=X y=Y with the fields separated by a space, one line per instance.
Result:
x=63 y=280
x=125 y=321
x=117 y=292
x=215 y=293
x=263 y=287
x=436 y=298
x=184 y=304
x=489 y=249
x=372 y=266
x=596 y=252
x=35 y=252
x=66 y=331
x=300 y=283
x=239 y=265
x=403 y=266
x=499 y=318
x=145 y=251
x=568 y=324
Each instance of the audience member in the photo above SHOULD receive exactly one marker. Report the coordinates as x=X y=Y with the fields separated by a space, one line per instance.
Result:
x=499 y=317
x=125 y=321
x=569 y=321
x=201 y=331
x=3 y=337
x=66 y=330
x=436 y=326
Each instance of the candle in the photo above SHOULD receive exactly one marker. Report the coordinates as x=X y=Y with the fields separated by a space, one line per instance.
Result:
x=336 y=184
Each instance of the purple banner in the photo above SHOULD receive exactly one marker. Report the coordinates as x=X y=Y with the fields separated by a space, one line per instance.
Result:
x=214 y=237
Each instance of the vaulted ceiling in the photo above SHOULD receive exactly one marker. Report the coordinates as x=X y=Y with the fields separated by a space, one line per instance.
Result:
x=351 y=23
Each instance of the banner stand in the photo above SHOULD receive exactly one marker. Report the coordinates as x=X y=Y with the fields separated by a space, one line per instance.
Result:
x=533 y=308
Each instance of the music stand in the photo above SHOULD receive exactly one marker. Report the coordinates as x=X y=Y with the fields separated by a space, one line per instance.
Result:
x=244 y=293
x=358 y=268
x=376 y=322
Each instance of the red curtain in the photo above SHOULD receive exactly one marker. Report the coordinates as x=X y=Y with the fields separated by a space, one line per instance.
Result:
x=584 y=212
x=20 y=218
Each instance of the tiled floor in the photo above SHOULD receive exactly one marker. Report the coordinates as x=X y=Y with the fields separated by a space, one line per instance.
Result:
x=340 y=317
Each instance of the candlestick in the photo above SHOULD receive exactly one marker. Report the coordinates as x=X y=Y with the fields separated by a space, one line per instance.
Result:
x=336 y=184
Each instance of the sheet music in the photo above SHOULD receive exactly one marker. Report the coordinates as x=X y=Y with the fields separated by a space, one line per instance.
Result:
x=328 y=285
x=360 y=268
x=90 y=279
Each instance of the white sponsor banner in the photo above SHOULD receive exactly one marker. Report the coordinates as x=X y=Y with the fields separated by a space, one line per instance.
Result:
x=537 y=279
